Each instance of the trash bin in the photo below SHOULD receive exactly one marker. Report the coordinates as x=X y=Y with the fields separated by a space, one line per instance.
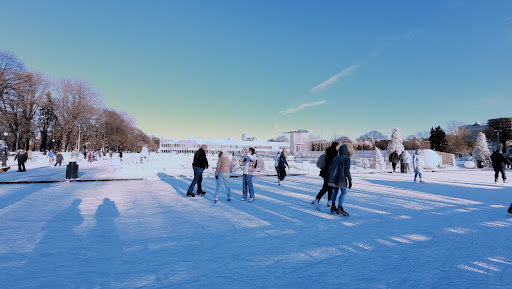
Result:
x=480 y=164
x=72 y=170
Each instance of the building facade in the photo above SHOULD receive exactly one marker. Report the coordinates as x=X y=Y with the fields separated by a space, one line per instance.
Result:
x=215 y=145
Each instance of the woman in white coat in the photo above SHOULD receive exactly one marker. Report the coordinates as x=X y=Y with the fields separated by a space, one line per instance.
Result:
x=417 y=164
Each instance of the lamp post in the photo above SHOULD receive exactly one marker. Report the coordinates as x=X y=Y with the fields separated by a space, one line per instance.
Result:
x=18 y=112
x=78 y=138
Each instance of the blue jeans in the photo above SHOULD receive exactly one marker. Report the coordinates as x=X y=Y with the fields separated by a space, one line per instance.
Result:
x=198 y=178
x=247 y=184
x=343 y=193
x=223 y=178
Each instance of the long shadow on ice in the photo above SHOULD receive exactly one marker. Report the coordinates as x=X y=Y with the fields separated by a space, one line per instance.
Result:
x=23 y=191
x=469 y=193
x=104 y=248
x=178 y=185
x=55 y=257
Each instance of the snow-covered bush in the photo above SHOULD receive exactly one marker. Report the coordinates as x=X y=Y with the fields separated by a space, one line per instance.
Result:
x=378 y=160
x=396 y=143
x=481 y=151
x=365 y=163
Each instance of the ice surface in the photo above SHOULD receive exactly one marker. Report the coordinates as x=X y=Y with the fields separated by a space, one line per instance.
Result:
x=451 y=232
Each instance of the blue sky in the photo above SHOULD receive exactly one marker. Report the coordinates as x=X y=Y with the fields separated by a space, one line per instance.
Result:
x=221 y=68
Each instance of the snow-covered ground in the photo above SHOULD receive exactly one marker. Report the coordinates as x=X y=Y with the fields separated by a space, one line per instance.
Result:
x=451 y=232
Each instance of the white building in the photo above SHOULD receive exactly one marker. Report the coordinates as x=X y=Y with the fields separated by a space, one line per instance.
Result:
x=215 y=145
x=299 y=141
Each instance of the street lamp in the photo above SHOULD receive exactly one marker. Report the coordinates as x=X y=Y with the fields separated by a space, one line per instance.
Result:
x=18 y=113
x=78 y=138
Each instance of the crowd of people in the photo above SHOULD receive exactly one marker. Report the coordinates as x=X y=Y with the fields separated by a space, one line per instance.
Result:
x=334 y=170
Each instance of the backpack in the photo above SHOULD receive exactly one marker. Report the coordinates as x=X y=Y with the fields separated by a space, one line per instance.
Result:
x=320 y=163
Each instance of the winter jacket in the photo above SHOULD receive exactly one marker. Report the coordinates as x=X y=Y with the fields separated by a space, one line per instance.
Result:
x=394 y=158
x=200 y=160
x=276 y=159
x=249 y=164
x=339 y=172
x=21 y=157
x=417 y=163
x=407 y=159
x=282 y=162
x=51 y=154
x=223 y=165
x=59 y=158
x=330 y=154
x=3 y=154
x=499 y=160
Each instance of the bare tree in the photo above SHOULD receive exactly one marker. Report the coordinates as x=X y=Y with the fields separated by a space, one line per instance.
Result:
x=75 y=101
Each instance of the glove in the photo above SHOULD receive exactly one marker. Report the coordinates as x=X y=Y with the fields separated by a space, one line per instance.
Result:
x=216 y=177
x=350 y=184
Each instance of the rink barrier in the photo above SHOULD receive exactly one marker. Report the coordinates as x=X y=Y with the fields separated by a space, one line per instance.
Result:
x=70 y=181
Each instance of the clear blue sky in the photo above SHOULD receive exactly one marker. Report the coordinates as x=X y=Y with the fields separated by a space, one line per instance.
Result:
x=220 y=68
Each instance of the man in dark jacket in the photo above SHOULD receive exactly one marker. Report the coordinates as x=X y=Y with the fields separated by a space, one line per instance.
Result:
x=330 y=153
x=22 y=157
x=394 y=158
x=199 y=164
x=498 y=163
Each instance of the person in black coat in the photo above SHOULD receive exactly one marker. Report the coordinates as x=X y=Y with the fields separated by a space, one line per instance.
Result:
x=498 y=163
x=340 y=178
x=22 y=157
x=394 y=158
x=330 y=153
x=281 y=166
x=199 y=164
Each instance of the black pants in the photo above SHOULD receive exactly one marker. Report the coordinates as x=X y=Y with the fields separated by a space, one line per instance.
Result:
x=497 y=172
x=277 y=170
x=21 y=167
x=282 y=173
x=402 y=168
x=394 y=166
x=325 y=189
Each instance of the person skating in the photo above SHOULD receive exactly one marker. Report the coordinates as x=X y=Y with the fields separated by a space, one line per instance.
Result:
x=340 y=178
x=498 y=163
x=417 y=164
x=330 y=153
x=510 y=209
x=282 y=167
x=407 y=161
x=199 y=164
x=394 y=158
x=4 y=155
x=222 y=174
x=58 y=159
x=22 y=157
x=248 y=172
x=402 y=157
x=276 y=164
x=51 y=157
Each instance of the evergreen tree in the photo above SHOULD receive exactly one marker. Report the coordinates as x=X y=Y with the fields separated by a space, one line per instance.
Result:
x=396 y=143
x=481 y=151
x=378 y=160
x=438 y=139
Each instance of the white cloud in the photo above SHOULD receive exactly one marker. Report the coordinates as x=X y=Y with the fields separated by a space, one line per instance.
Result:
x=302 y=106
x=333 y=79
